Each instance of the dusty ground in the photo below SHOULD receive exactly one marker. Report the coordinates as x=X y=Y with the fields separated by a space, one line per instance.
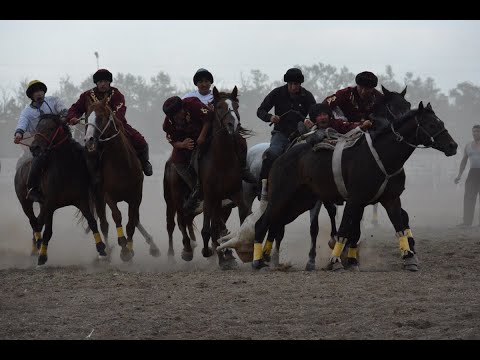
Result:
x=154 y=299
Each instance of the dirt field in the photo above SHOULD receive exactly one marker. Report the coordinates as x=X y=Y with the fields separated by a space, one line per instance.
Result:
x=152 y=298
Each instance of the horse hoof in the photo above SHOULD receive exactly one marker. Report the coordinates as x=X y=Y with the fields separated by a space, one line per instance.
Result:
x=155 y=252
x=410 y=263
x=229 y=264
x=42 y=259
x=354 y=268
x=258 y=264
x=310 y=266
x=331 y=243
x=411 y=267
x=126 y=255
x=267 y=258
x=187 y=256
x=207 y=252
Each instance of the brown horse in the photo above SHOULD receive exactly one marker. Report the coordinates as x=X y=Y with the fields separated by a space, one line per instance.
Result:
x=174 y=192
x=65 y=182
x=220 y=172
x=121 y=174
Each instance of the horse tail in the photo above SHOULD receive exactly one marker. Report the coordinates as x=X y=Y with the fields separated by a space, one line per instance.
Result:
x=91 y=206
x=244 y=132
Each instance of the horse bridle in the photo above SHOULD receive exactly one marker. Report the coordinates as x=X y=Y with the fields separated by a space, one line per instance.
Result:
x=110 y=120
x=400 y=138
x=50 y=141
x=220 y=119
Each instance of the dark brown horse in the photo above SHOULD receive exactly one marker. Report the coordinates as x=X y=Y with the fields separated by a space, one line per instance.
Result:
x=175 y=191
x=301 y=176
x=220 y=172
x=65 y=182
x=121 y=174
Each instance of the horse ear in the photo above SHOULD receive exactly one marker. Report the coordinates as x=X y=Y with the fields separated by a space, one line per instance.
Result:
x=420 y=106
x=429 y=107
x=215 y=92
x=385 y=91
x=235 y=92
x=404 y=91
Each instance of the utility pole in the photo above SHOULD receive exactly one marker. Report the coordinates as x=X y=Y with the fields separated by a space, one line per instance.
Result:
x=96 y=55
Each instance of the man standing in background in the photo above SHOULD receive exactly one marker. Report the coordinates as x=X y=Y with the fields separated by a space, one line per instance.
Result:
x=472 y=184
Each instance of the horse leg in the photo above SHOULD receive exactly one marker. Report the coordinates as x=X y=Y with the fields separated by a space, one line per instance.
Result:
x=351 y=260
x=350 y=213
x=27 y=207
x=100 y=207
x=47 y=235
x=191 y=233
x=206 y=229
x=153 y=250
x=375 y=215
x=187 y=252
x=276 y=233
x=125 y=253
x=332 y=213
x=133 y=221
x=261 y=228
x=394 y=211
x=100 y=245
x=406 y=222
x=314 y=212
x=226 y=211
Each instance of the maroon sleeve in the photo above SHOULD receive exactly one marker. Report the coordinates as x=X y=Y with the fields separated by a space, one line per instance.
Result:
x=343 y=126
x=79 y=108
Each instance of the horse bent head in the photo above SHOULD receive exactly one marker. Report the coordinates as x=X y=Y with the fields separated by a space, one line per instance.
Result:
x=226 y=109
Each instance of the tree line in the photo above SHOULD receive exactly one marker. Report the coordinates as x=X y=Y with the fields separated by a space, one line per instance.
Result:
x=144 y=99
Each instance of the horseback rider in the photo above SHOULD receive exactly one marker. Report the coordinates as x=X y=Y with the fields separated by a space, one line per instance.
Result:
x=28 y=121
x=203 y=79
x=102 y=79
x=323 y=118
x=291 y=96
x=356 y=103
x=187 y=123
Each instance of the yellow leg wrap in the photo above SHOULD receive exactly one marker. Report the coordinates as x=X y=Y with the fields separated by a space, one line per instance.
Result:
x=130 y=245
x=257 y=251
x=120 y=231
x=43 y=249
x=34 y=248
x=409 y=233
x=337 y=250
x=38 y=235
x=267 y=248
x=352 y=253
x=97 y=237
x=404 y=247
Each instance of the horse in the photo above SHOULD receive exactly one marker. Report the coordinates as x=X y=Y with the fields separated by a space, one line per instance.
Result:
x=250 y=191
x=121 y=175
x=65 y=182
x=174 y=191
x=220 y=172
x=302 y=176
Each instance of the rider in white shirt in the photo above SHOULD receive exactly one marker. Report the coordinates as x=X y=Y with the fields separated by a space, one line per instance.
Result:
x=28 y=122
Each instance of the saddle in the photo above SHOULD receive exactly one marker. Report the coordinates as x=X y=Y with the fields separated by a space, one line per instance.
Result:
x=332 y=137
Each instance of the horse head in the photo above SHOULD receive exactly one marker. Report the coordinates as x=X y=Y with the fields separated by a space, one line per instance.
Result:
x=50 y=133
x=430 y=131
x=102 y=124
x=226 y=110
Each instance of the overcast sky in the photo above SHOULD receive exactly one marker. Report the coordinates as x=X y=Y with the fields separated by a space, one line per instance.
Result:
x=448 y=51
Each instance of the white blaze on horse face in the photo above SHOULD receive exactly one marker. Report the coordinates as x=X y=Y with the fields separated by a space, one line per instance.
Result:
x=92 y=119
x=234 y=114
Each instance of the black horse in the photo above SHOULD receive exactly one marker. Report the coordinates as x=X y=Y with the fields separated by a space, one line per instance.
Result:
x=302 y=176
x=64 y=182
